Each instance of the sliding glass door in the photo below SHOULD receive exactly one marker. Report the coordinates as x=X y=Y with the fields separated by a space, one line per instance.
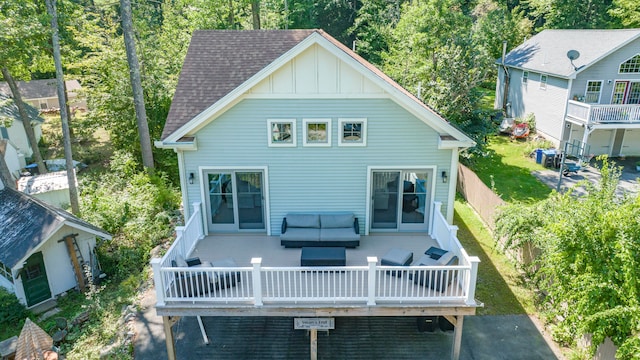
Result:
x=400 y=199
x=235 y=200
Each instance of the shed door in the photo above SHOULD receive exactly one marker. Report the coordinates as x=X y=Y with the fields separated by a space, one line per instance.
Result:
x=34 y=280
x=600 y=142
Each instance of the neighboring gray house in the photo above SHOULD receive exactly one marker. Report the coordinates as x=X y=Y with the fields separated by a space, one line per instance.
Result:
x=12 y=130
x=594 y=98
x=37 y=241
x=268 y=123
x=43 y=94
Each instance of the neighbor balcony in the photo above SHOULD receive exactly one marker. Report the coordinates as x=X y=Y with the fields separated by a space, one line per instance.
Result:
x=603 y=114
x=271 y=281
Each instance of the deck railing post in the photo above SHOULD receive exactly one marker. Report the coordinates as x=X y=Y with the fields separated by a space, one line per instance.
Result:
x=371 y=288
x=198 y=219
x=436 y=209
x=156 y=265
x=180 y=237
x=453 y=233
x=257 y=281
x=473 y=277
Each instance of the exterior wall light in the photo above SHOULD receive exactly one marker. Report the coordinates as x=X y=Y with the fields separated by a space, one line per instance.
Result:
x=444 y=177
x=191 y=177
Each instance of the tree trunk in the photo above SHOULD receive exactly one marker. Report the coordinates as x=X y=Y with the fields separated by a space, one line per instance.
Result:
x=5 y=174
x=136 y=85
x=64 y=109
x=31 y=135
x=231 y=17
x=255 y=11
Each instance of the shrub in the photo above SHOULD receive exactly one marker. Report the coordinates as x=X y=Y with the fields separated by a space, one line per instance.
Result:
x=133 y=206
x=11 y=311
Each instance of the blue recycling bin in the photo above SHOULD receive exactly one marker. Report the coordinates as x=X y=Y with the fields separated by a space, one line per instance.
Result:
x=538 y=156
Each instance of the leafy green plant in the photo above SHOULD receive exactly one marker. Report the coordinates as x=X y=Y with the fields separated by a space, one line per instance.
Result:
x=588 y=260
x=12 y=314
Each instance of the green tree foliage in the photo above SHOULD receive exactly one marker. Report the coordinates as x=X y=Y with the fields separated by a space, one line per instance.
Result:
x=133 y=206
x=433 y=50
x=573 y=14
x=589 y=260
x=627 y=12
x=372 y=27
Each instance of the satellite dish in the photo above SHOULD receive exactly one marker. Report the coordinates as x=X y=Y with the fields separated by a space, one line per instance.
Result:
x=572 y=55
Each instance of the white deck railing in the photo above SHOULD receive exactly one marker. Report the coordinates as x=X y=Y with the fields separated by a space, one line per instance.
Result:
x=312 y=286
x=603 y=114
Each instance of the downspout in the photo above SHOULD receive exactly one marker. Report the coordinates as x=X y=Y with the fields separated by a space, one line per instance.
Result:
x=505 y=93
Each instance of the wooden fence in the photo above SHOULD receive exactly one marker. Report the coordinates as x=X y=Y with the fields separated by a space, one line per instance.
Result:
x=481 y=198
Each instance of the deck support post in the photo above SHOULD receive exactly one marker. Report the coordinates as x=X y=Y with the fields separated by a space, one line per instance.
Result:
x=457 y=338
x=168 y=335
x=313 y=348
x=371 y=288
x=257 y=282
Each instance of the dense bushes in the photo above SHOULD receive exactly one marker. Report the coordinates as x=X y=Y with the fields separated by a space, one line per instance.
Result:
x=136 y=208
x=11 y=311
x=588 y=268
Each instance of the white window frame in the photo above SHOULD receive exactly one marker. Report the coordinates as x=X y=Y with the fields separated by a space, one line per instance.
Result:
x=271 y=142
x=305 y=134
x=629 y=59
x=543 y=81
x=525 y=77
x=586 y=91
x=363 y=129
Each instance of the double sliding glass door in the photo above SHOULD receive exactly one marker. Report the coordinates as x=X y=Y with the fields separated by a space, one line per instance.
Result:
x=400 y=199
x=235 y=200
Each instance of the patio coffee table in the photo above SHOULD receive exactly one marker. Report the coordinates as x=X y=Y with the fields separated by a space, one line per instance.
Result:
x=323 y=256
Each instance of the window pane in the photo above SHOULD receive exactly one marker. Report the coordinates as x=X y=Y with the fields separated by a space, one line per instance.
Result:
x=281 y=133
x=317 y=132
x=592 y=95
x=352 y=132
x=631 y=66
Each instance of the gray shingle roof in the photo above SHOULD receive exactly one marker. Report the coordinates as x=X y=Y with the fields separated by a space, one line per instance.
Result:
x=219 y=61
x=26 y=222
x=37 y=89
x=9 y=110
x=546 y=52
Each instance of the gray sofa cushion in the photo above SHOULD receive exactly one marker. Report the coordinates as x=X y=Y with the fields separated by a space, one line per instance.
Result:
x=334 y=221
x=303 y=221
x=338 y=234
x=302 y=234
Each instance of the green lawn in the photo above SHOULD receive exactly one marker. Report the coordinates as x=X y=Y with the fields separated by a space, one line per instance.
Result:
x=507 y=169
x=488 y=97
x=499 y=285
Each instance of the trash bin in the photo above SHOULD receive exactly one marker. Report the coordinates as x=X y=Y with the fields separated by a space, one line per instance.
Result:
x=538 y=156
x=547 y=157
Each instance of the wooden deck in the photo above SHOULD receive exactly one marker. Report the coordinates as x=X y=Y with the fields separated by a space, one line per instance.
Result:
x=269 y=281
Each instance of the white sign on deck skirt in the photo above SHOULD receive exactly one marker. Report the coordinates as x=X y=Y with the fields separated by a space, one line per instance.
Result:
x=314 y=323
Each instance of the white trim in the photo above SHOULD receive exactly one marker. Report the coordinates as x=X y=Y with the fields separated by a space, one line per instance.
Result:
x=182 y=173
x=410 y=104
x=586 y=91
x=271 y=123
x=305 y=140
x=265 y=193
x=363 y=132
x=453 y=182
x=370 y=169
x=525 y=79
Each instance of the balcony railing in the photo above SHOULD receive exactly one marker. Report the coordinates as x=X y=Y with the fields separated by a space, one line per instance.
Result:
x=369 y=285
x=603 y=114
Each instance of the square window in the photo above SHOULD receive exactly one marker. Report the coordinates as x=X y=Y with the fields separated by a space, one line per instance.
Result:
x=592 y=94
x=317 y=132
x=543 y=82
x=282 y=132
x=353 y=132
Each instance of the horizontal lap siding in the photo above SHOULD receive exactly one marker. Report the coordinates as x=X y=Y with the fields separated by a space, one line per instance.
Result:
x=317 y=178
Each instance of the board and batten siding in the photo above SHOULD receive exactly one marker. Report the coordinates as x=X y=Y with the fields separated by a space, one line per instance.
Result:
x=605 y=70
x=316 y=178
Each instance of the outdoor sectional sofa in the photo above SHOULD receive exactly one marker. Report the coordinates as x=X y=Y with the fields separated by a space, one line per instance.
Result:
x=320 y=230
